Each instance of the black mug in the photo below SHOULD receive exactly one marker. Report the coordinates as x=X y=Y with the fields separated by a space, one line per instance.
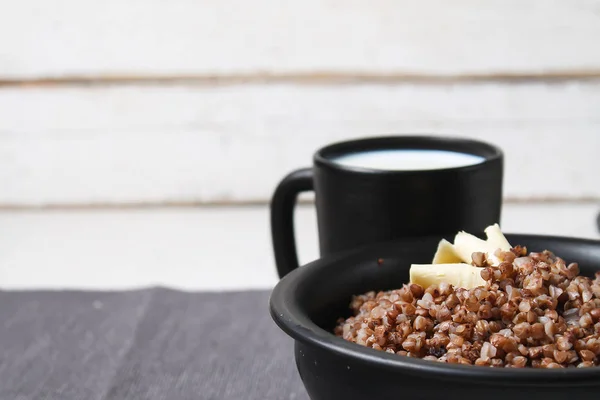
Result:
x=358 y=206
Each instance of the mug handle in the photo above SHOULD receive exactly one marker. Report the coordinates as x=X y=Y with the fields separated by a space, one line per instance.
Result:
x=282 y=218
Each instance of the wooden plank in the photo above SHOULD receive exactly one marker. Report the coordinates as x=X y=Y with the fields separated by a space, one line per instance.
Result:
x=190 y=249
x=132 y=145
x=66 y=38
x=306 y=79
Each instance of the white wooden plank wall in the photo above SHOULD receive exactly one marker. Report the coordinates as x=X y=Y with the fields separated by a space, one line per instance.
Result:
x=147 y=37
x=127 y=102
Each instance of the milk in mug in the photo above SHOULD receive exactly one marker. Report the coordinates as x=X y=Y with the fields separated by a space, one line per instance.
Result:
x=407 y=159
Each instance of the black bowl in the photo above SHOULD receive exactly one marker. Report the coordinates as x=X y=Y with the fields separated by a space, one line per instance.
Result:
x=306 y=303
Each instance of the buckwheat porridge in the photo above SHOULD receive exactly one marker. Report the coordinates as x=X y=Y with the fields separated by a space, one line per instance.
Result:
x=505 y=308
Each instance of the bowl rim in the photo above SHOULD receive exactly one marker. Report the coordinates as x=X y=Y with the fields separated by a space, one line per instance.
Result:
x=292 y=320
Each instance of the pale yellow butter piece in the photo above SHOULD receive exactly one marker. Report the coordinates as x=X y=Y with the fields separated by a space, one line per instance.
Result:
x=459 y=275
x=496 y=238
x=445 y=254
x=466 y=244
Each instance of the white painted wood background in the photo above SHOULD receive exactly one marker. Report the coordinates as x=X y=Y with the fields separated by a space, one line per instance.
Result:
x=190 y=248
x=233 y=144
x=129 y=102
x=87 y=37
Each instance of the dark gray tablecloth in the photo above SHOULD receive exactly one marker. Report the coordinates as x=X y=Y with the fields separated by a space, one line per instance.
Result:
x=146 y=344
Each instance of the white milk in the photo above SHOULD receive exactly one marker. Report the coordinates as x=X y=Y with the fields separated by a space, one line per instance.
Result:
x=407 y=160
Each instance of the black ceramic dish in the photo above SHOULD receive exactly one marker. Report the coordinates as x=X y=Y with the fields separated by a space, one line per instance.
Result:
x=306 y=303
